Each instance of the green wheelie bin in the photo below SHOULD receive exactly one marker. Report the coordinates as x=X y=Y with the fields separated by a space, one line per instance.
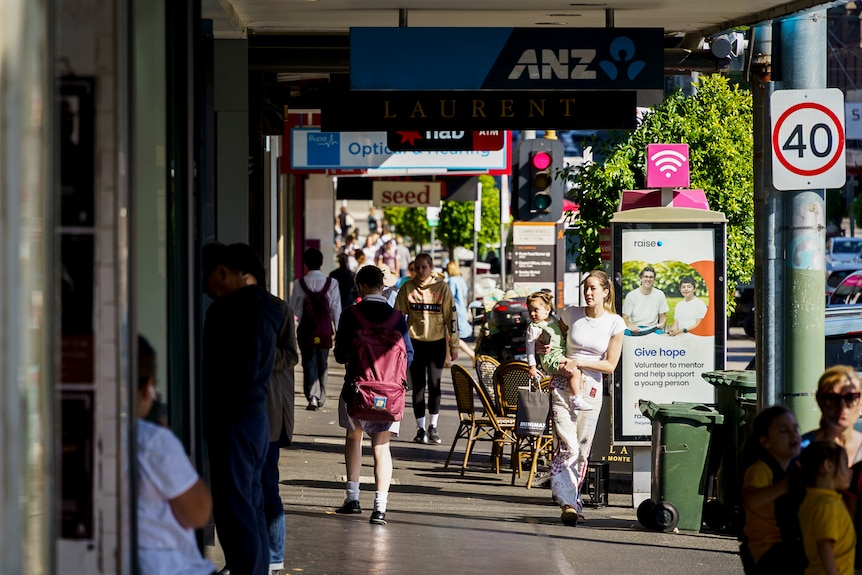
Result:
x=736 y=397
x=681 y=435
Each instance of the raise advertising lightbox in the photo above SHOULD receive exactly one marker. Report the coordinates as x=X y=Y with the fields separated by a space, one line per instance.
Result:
x=671 y=291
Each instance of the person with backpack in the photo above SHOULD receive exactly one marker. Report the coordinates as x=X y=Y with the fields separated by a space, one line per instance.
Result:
x=316 y=300
x=369 y=341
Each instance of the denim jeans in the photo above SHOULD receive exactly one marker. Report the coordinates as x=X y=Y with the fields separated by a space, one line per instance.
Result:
x=273 y=507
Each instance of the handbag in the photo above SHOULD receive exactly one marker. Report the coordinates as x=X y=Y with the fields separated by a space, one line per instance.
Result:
x=534 y=410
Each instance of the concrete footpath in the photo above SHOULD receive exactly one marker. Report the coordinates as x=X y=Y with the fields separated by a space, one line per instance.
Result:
x=441 y=522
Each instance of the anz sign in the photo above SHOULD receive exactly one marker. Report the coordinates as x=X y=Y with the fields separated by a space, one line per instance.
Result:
x=506 y=58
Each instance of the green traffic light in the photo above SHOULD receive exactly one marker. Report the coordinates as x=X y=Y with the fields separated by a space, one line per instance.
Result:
x=541 y=201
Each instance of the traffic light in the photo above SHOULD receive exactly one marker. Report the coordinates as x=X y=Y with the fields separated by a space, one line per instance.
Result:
x=540 y=188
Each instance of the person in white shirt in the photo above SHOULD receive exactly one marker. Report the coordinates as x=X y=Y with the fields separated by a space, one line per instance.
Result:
x=315 y=360
x=646 y=307
x=688 y=313
x=172 y=500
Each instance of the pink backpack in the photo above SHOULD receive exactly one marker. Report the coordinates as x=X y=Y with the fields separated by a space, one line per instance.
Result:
x=377 y=392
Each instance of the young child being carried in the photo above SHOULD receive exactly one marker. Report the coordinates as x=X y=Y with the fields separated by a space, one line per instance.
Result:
x=771 y=536
x=545 y=329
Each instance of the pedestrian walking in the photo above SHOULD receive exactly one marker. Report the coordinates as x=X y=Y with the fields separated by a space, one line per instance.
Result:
x=239 y=339
x=375 y=310
x=346 y=282
x=280 y=412
x=316 y=301
x=430 y=309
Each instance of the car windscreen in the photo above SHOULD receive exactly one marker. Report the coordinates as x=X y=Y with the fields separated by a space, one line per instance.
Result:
x=845 y=349
x=846 y=247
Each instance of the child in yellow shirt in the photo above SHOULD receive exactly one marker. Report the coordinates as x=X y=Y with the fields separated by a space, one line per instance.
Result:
x=827 y=529
x=771 y=531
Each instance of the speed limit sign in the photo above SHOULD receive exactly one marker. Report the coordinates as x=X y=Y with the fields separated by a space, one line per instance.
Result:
x=808 y=139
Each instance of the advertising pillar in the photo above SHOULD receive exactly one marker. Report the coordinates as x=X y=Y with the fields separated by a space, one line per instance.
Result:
x=669 y=274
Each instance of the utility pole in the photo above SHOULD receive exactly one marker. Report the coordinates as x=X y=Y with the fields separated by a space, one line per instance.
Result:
x=768 y=231
x=803 y=66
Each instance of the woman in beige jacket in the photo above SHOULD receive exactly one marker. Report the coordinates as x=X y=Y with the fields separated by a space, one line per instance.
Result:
x=430 y=309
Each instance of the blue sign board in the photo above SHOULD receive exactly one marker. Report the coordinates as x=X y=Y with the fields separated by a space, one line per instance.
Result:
x=506 y=58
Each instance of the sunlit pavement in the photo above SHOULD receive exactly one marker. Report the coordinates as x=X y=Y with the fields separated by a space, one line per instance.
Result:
x=441 y=522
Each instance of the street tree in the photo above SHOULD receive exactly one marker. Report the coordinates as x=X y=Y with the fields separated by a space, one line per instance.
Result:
x=456 y=221
x=716 y=123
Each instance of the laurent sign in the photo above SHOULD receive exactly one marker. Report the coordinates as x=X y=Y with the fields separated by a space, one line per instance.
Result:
x=511 y=110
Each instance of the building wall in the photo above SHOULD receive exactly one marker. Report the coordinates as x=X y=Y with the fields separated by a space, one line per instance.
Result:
x=88 y=46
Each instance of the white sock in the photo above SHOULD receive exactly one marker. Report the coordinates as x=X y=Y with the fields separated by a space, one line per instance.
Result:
x=352 y=491
x=420 y=422
x=380 y=499
x=434 y=417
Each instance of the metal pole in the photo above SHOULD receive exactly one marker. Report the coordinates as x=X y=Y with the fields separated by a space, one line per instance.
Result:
x=803 y=57
x=433 y=261
x=477 y=226
x=505 y=200
x=768 y=234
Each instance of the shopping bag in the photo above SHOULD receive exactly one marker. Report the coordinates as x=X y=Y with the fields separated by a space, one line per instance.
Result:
x=534 y=408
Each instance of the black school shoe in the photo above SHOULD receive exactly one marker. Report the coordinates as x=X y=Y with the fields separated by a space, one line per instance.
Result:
x=349 y=507
x=378 y=518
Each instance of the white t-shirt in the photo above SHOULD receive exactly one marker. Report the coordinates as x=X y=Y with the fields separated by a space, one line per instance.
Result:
x=589 y=338
x=687 y=313
x=643 y=309
x=164 y=472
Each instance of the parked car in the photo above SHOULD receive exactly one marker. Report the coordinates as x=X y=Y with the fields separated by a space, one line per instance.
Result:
x=835 y=277
x=844 y=336
x=848 y=291
x=843 y=253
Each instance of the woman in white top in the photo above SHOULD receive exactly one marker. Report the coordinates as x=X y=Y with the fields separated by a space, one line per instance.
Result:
x=593 y=346
x=172 y=499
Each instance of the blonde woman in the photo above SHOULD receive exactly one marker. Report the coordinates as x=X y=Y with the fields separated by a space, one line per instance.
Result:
x=593 y=346
x=838 y=397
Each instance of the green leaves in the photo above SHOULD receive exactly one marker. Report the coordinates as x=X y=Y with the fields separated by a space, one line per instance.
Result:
x=716 y=123
x=456 y=220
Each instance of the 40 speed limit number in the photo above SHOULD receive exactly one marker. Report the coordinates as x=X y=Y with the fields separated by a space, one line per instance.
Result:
x=808 y=139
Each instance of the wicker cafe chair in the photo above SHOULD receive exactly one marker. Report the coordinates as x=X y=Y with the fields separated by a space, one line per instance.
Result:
x=470 y=426
x=486 y=365
x=502 y=429
x=507 y=379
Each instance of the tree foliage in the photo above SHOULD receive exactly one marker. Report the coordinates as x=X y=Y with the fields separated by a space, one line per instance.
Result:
x=456 y=220
x=716 y=123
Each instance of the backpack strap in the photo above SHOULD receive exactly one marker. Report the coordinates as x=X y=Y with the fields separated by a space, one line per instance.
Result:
x=308 y=290
x=304 y=286
x=363 y=323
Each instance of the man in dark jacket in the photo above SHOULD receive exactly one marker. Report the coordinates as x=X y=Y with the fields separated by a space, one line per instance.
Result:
x=240 y=333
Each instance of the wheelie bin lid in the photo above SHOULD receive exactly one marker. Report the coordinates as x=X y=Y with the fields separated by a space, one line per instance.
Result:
x=740 y=378
x=697 y=412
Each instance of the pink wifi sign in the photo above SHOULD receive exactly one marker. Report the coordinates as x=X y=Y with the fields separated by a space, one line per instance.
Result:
x=667 y=166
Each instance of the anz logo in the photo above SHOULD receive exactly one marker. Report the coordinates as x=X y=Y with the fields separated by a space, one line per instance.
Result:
x=574 y=63
x=555 y=64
